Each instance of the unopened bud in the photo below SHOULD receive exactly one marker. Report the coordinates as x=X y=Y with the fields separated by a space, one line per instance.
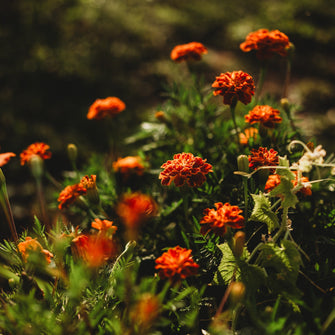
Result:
x=36 y=165
x=284 y=103
x=237 y=292
x=238 y=246
x=72 y=152
x=160 y=115
x=243 y=163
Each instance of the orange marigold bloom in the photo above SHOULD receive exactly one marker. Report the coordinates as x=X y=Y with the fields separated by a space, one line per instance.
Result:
x=108 y=107
x=128 y=165
x=263 y=157
x=135 y=208
x=94 y=250
x=266 y=115
x=5 y=157
x=32 y=245
x=70 y=194
x=248 y=133
x=185 y=168
x=274 y=180
x=234 y=86
x=104 y=225
x=266 y=43
x=218 y=219
x=189 y=51
x=176 y=264
x=89 y=182
x=39 y=148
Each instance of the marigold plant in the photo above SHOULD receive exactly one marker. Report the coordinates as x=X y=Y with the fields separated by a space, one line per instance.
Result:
x=103 y=108
x=104 y=226
x=176 y=264
x=185 y=168
x=248 y=134
x=263 y=157
x=129 y=165
x=266 y=115
x=5 y=157
x=217 y=220
x=189 y=51
x=38 y=148
x=32 y=245
x=234 y=86
x=266 y=43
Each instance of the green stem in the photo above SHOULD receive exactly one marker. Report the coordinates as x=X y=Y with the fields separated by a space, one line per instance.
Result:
x=287 y=77
x=41 y=200
x=283 y=226
x=245 y=189
x=261 y=79
x=232 y=111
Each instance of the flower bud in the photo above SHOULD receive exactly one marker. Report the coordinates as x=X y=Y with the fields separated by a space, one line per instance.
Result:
x=36 y=165
x=160 y=116
x=237 y=292
x=72 y=152
x=243 y=163
x=238 y=243
x=284 y=103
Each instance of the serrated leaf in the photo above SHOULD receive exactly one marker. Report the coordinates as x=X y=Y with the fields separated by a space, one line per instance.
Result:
x=228 y=266
x=252 y=275
x=284 y=162
x=284 y=190
x=262 y=212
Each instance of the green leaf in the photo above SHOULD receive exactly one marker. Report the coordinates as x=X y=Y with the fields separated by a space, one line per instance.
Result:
x=284 y=190
x=253 y=276
x=284 y=162
x=228 y=266
x=262 y=212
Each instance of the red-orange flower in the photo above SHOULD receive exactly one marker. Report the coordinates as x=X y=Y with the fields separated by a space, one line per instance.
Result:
x=218 y=219
x=185 y=168
x=89 y=182
x=176 y=264
x=248 y=133
x=263 y=157
x=5 y=157
x=136 y=208
x=39 y=148
x=32 y=245
x=266 y=43
x=104 y=226
x=266 y=115
x=108 y=107
x=274 y=180
x=70 y=194
x=234 y=86
x=94 y=250
x=189 y=51
x=129 y=165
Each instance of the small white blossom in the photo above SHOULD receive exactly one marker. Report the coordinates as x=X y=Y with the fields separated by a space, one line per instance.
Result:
x=310 y=158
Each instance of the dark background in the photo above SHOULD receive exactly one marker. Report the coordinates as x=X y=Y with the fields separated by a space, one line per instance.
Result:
x=58 y=56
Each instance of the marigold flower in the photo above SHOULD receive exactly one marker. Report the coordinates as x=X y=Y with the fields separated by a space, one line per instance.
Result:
x=32 y=245
x=39 y=148
x=146 y=310
x=176 y=264
x=248 y=133
x=234 y=86
x=89 y=182
x=129 y=165
x=189 y=51
x=5 y=157
x=263 y=157
x=94 y=250
x=136 y=208
x=266 y=115
x=104 y=226
x=266 y=43
x=108 y=107
x=185 y=168
x=218 y=219
x=70 y=194
x=274 y=180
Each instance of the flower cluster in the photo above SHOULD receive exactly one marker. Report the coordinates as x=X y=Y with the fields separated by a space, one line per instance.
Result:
x=263 y=157
x=104 y=226
x=234 y=86
x=217 y=220
x=39 y=149
x=32 y=245
x=310 y=158
x=176 y=264
x=266 y=115
x=103 y=108
x=185 y=168
x=129 y=165
x=189 y=51
x=266 y=43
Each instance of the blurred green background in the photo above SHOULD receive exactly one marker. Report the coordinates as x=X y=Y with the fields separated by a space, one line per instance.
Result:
x=58 y=56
